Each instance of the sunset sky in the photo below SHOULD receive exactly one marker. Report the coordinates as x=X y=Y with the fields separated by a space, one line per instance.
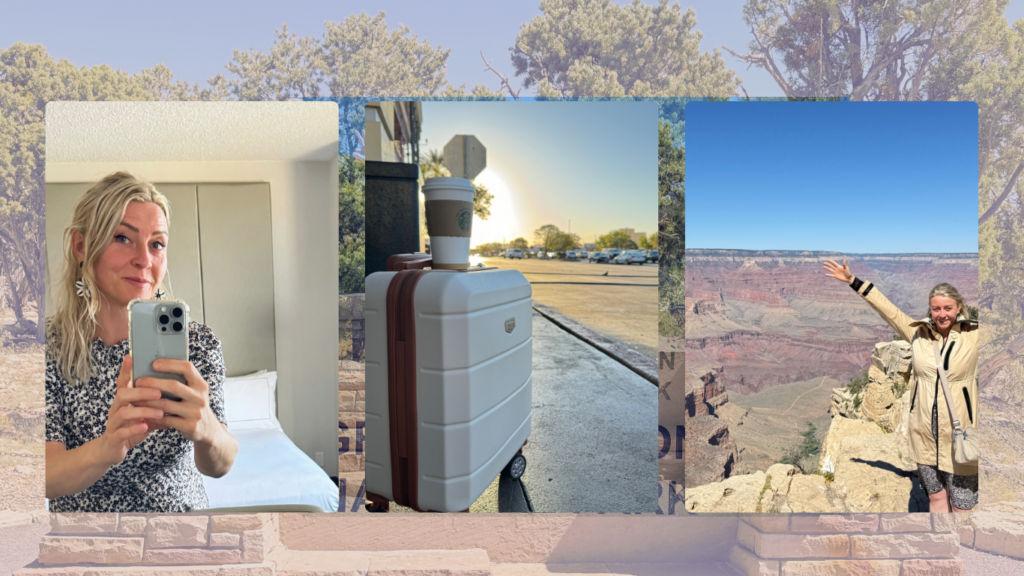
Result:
x=595 y=163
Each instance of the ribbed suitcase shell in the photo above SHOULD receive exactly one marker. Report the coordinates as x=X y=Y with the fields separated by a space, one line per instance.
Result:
x=473 y=382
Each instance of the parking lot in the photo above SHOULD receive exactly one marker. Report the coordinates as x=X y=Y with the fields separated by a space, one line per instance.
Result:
x=620 y=301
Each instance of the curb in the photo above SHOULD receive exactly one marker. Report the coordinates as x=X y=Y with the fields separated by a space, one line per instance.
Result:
x=646 y=367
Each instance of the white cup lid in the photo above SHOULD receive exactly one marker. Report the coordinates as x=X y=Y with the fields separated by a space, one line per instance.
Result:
x=448 y=183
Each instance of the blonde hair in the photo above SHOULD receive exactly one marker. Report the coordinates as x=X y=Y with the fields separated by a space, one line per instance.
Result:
x=71 y=329
x=948 y=291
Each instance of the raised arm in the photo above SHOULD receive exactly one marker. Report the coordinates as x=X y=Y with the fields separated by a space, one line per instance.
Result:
x=892 y=315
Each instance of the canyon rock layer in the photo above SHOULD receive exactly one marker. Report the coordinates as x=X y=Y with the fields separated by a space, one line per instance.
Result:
x=763 y=318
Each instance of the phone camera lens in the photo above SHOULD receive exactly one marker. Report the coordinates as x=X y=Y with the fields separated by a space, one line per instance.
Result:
x=177 y=326
x=164 y=319
x=163 y=328
x=177 y=312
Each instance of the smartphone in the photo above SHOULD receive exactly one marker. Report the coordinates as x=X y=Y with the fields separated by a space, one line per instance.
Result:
x=158 y=329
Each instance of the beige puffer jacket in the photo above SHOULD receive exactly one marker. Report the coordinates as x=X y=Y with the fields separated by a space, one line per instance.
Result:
x=960 y=360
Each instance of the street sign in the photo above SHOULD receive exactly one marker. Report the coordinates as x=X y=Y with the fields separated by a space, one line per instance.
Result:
x=465 y=156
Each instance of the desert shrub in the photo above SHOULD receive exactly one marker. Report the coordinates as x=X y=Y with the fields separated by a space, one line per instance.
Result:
x=802 y=455
x=668 y=326
x=858 y=383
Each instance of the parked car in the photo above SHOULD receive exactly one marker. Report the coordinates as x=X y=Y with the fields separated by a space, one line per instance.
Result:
x=612 y=252
x=652 y=255
x=630 y=257
x=552 y=255
x=516 y=254
x=543 y=256
x=582 y=254
x=598 y=257
x=571 y=255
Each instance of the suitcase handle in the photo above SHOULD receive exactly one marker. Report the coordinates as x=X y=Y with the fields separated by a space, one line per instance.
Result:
x=400 y=262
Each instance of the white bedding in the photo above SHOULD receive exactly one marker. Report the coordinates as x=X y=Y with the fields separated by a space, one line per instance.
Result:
x=270 y=469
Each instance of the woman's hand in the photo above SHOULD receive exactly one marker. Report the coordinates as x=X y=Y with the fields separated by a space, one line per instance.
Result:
x=192 y=416
x=838 y=272
x=127 y=424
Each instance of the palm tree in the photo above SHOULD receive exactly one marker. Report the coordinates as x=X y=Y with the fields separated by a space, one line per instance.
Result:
x=433 y=165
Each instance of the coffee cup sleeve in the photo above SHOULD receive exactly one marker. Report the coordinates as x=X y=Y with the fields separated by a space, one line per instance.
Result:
x=453 y=218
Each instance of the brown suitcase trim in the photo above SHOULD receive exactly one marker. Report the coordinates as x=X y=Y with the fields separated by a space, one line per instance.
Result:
x=401 y=334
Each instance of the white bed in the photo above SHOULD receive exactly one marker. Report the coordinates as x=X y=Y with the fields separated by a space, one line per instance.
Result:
x=269 y=469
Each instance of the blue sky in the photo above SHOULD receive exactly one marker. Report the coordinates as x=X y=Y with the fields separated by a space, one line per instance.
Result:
x=843 y=176
x=595 y=163
x=195 y=39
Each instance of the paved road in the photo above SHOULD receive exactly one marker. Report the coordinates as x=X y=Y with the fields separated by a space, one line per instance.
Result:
x=622 y=304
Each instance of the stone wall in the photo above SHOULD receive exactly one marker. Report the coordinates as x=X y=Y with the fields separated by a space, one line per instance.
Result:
x=879 y=544
x=123 y=540
x=351 y=419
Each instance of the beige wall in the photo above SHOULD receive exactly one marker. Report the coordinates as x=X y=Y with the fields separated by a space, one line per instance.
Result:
x=304 y=213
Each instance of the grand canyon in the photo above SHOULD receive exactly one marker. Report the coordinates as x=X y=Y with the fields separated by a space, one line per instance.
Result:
x=765 y=318
x=770 y=344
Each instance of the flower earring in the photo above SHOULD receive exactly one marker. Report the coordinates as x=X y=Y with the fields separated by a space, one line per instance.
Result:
x=160 y=294
x=83 y=291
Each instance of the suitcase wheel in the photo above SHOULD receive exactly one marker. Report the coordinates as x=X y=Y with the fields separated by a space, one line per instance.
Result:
x=515 y=467
x=378 y=507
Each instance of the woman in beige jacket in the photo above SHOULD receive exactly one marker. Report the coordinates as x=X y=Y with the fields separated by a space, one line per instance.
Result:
x=931 y=432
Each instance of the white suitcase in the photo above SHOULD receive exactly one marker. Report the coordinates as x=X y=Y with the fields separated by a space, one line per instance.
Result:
x=448 y=382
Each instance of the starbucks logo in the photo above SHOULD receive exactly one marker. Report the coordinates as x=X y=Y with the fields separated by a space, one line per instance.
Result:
x=465 y=219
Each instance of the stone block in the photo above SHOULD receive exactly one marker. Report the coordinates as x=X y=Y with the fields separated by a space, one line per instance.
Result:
x=86 y=549
x=841 y=568
x=772 y=523
x=954 y=567
x=353 y=482
x=834 y=523
x=83 y=523
x=430 y=562
x=184 y=556
x=781 y=546
x=257 y=544
x=223 y=570
x=351 y=462
x=747 y=564
x=238 y=522
x=225 y=540
x=351 y=380
x=919 y=522
x=322 y=563
x=747 y=535
x=945 y=521
x=10 y=518
x=347 y=400
x=1000 y=531
x=132 y=525
x=252 y=546
x=967 y=536
x=909 y=545
x=177 y=531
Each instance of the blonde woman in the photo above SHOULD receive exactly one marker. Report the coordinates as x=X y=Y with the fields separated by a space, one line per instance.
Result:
x=112 y=446
x=931 y=433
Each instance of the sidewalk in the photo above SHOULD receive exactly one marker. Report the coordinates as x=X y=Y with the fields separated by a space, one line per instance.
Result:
x=594 y=445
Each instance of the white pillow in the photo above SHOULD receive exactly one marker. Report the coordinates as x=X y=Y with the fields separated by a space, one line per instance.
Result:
x=249 y=402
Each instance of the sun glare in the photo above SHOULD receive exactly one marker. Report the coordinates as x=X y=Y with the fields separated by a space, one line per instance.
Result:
x=503 y=222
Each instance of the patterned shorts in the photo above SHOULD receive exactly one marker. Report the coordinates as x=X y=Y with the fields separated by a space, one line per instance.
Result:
x=963 y=490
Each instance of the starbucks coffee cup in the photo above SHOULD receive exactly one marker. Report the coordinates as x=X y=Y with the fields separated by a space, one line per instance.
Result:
x=449 y=208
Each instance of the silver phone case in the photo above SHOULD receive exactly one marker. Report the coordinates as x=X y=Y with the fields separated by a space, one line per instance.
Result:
x=146 y=343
